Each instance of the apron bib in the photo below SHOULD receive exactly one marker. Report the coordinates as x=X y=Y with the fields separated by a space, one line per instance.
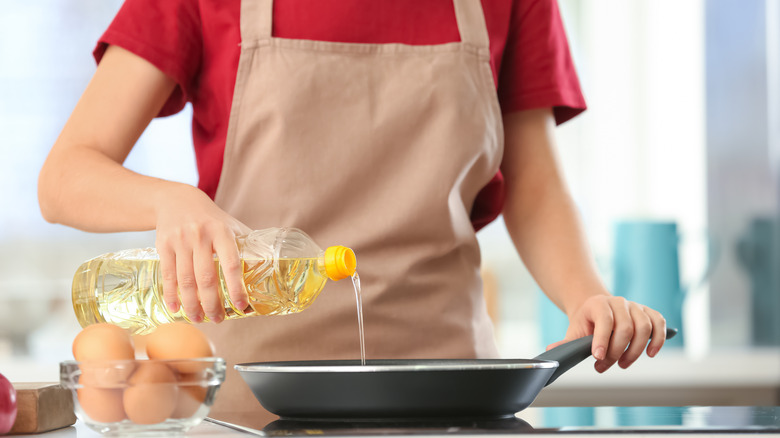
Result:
x=378 y=147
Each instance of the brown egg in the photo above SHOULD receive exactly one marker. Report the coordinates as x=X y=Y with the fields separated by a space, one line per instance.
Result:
x=103 y=342
x=179 y=340
x=98 y=347
x=100 y=404
x=152 y=394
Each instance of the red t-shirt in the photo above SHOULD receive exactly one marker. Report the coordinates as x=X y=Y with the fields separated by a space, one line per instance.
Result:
x=196 y=42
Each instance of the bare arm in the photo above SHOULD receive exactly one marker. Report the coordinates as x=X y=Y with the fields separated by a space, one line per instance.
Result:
x=543 y=222
x=83 y=184
x=119 y=102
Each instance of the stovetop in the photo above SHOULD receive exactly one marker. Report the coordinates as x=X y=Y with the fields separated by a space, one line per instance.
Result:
x=554 y=420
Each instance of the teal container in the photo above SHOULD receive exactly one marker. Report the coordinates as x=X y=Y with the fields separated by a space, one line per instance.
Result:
x=758 y=252
x=646 y=268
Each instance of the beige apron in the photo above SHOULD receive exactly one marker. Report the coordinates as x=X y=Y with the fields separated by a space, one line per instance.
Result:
x=379 y=147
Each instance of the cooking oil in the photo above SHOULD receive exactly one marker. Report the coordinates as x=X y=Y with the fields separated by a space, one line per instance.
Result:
x=359 y=302
x=283 y=270
x=128 y=291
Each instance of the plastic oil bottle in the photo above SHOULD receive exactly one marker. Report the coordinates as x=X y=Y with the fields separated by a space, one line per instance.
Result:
x=283 y=269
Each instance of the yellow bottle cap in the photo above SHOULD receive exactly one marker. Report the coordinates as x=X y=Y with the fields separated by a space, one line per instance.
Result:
x=340 y=262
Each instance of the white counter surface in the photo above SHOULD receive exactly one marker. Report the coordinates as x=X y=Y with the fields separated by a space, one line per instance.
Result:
x=693 y=422
x=210 y=430
x=80 y=430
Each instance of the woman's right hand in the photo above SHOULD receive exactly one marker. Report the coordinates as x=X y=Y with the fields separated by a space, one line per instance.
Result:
x=191 y=230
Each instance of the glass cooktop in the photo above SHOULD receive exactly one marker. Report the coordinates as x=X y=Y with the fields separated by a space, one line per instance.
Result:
x=550 y=420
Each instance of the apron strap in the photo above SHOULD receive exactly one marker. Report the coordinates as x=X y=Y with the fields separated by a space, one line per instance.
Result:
x=257 y=18
x=471 y=23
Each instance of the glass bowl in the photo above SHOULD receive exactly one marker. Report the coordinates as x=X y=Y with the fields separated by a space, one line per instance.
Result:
x=143 y=397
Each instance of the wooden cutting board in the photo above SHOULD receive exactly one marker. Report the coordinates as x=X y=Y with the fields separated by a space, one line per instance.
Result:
x=42 y=407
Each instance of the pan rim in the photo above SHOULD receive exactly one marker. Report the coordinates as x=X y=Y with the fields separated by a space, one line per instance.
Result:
x=466 y=365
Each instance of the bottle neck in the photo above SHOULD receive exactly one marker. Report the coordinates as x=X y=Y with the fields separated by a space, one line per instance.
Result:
x=321 y=264
x=339 y=262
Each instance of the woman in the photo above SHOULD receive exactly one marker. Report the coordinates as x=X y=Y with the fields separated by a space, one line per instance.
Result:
x=394 y=128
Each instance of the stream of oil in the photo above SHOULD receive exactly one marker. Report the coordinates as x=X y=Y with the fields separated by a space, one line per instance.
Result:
x=359 y=302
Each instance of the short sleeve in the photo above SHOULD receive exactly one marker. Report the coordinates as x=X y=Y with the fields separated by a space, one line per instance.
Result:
x=165 y=33
x=537 y=70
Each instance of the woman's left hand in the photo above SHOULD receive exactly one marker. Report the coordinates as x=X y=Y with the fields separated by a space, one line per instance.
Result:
x=620 y=328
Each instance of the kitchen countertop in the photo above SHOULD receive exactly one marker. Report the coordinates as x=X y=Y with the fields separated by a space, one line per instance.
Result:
x=593 y=422
x=671 y=379
x=739 y=377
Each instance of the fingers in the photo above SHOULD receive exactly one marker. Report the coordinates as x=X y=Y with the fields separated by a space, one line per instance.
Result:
x=603 y=319
x=191 y=229
x=188 y=286
x=168 y=274
x=659 y=332
x=643 y=329
x=178 y=277
x=207 y=280
x=621 y=331
x=191 y=276
x=232 y=271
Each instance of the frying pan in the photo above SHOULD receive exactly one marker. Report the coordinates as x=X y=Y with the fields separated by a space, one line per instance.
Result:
x=409 y=389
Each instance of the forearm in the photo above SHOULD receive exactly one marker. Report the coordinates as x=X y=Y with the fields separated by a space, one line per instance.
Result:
x=85 y=189
x=541 y=217
x=83 y=183
x=548 y=236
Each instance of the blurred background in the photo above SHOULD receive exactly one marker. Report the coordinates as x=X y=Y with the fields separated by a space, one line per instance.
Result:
x=674 y=168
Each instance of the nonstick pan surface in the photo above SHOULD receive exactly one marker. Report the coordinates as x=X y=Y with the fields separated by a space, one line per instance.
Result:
x=409 y=389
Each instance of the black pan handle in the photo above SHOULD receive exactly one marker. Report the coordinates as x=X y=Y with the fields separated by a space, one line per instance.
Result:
x=571 y=353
